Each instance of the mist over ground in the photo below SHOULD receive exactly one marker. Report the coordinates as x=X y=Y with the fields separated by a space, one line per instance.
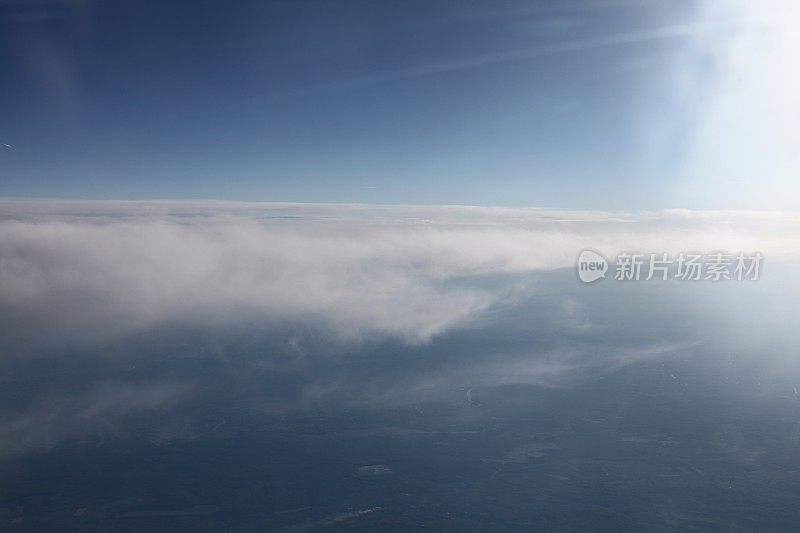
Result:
x=430 y=362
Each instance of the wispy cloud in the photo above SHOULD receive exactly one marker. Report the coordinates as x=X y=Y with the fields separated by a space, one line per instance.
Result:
x=53 y=419
x=97 y=269
x=663 y=33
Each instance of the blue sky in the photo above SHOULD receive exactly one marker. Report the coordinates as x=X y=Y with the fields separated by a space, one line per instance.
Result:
x=612 y=105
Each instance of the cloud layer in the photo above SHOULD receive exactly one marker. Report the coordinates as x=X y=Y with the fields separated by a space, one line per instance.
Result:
x=78 y=270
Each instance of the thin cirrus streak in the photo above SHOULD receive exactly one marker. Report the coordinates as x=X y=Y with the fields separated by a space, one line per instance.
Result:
x=480 y=60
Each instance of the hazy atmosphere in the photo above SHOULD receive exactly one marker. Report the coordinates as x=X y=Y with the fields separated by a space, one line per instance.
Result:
x=399 y=266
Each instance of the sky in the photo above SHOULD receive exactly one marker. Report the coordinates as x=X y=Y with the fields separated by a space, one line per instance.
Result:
x=266 y=245
x=575 y=104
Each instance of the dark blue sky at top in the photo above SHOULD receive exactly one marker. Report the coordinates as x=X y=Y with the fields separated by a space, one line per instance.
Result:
x=535 y=103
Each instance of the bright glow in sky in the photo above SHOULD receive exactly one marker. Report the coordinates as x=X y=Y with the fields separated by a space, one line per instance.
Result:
x=746 y=135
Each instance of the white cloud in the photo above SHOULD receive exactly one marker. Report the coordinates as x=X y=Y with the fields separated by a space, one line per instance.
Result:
x=80 y=270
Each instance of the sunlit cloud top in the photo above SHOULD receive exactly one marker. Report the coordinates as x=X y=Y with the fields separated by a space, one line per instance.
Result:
x=78 y=270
